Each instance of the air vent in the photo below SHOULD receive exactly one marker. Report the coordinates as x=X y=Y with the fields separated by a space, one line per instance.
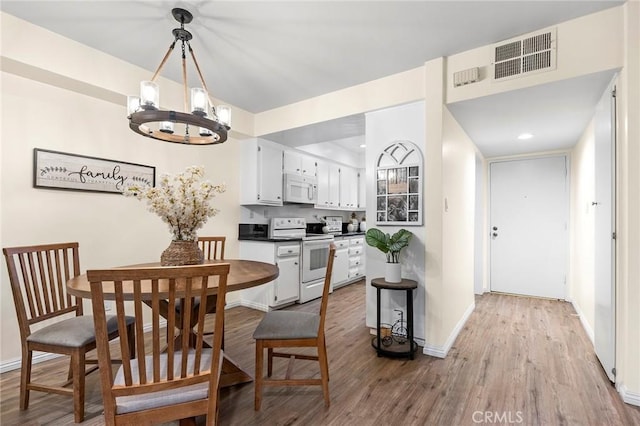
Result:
x=525 y=55
x=468 y=76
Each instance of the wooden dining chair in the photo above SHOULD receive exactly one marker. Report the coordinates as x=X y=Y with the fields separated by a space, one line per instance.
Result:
x=213 y=249
x=38 y=276
x=294 y=329
x=165 y=381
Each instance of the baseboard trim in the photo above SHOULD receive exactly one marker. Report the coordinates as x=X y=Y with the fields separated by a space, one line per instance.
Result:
x=442 y=351
x=583 y=321
x=629 y=397
x=254 y=305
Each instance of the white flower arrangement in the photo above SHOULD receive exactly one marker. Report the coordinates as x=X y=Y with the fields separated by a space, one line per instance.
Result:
x=181 y=201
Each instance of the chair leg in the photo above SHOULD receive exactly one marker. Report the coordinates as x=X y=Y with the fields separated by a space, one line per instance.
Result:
x=258 y=377
x=25 y=378
x=78 y=360
x=324 y=372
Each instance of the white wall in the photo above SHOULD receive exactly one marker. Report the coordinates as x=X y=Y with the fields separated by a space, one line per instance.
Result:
x=581 y=270
x=458 y=223
x=383 y=128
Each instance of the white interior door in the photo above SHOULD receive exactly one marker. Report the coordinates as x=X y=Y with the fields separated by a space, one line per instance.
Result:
x=604 y=331
x=528 y=220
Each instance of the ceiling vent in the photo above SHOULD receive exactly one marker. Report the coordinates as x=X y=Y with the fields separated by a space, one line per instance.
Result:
x=525 y=55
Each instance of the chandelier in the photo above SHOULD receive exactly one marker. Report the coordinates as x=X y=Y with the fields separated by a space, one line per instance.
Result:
x=205 y=124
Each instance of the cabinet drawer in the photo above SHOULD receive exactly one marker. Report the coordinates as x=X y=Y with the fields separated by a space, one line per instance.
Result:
x=355 y=251
x=290 y=250
x=359 y=241
x=341 y=244
x=354 y=262
x=355 y=272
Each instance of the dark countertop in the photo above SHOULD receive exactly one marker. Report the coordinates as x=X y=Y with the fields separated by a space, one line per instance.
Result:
x=351 y=234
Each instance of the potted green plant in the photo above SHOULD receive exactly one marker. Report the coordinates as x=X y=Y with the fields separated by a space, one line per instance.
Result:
x=390 y=245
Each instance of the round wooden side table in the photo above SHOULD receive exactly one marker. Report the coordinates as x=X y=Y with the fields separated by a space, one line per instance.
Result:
x=395 y=348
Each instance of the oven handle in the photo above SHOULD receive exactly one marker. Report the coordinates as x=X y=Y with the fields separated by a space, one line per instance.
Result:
x=316 y=243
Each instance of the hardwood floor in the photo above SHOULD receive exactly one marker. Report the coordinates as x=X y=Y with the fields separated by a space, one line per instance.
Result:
x=517 y=361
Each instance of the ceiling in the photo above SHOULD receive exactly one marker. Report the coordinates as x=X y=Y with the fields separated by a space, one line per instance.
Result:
x=259 y=55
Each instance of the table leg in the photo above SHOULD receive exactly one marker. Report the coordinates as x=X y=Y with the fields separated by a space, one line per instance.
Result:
x=378 y=322
x=232 y=374
x=410 y=321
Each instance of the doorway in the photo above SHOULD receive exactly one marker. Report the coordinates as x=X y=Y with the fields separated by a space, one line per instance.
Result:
x=529 y=226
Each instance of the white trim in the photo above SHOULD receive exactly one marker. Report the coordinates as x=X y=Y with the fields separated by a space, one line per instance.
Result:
x=584 y=322
x=254 y=305
x=628 y=396
x=442 y=351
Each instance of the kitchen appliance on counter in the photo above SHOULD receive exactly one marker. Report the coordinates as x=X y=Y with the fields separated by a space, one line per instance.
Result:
x=315 y=254
x=333 y=225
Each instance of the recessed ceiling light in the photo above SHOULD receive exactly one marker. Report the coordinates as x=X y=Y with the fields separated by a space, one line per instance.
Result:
x=525 y=136
x=363 y=145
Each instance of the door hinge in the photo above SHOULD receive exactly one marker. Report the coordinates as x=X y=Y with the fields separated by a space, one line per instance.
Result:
x=613 y=236
x=613 y=371
x=614 y=92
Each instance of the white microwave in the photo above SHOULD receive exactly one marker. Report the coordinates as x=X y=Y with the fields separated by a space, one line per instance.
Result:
x=300 y=189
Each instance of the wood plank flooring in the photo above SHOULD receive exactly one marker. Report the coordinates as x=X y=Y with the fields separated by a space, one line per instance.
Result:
x=518 y=361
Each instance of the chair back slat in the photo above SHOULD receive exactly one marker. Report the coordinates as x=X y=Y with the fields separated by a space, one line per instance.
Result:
x=326 y=288
x=160 y=363
x=38 y=275
x=212 y=247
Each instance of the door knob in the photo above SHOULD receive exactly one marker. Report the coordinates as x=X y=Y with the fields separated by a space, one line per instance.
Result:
x=495 y=234
x=495 y=228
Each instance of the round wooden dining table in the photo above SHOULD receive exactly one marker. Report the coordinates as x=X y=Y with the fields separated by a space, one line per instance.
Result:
x=242 y=274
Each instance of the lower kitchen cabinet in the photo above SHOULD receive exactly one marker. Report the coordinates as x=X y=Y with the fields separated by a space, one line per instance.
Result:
x=349 y=264
x=340 y=272
x=282 y=291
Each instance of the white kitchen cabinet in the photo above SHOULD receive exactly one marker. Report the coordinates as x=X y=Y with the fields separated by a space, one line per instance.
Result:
x=349 y=264
x=362 y=189
x=261 y=175
x=328 y=185
x=348 y=188
x=340 y=272
x=299 y=163
x=356 y=258
x=285 y=289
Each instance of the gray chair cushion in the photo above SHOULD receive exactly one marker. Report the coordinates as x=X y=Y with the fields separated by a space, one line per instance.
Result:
x=129 y=404
x=287 y=325
x=73 y=332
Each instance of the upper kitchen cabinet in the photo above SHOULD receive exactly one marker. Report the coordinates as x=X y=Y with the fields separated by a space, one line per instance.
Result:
x=299 y=163
x=362 y=189
x=328 y=185
x=261 y=176
x=348 y=188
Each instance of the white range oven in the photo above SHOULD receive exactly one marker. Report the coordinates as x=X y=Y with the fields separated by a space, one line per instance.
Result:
x=315 y=254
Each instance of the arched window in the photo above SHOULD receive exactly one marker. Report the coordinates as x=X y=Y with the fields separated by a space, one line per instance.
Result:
x=399 y=185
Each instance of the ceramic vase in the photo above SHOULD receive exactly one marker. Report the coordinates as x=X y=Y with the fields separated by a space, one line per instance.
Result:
x=363 y=226
x=393 y=273
x=182 y=253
